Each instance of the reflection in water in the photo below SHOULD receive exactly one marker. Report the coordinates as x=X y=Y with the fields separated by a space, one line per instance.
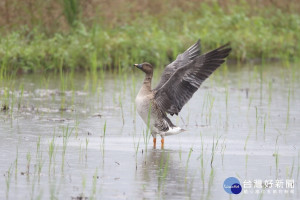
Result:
x=166 y=176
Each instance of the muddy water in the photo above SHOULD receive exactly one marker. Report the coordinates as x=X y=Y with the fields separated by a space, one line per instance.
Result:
x=243 y=123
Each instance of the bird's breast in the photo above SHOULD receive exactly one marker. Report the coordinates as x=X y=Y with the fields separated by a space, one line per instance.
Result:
x=143 y=104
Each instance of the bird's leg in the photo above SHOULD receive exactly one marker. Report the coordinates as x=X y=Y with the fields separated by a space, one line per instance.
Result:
x=154 y=139
x=154 y=142
x=162 y=142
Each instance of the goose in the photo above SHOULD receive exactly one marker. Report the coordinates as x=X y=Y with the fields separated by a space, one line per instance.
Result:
x=179 y=81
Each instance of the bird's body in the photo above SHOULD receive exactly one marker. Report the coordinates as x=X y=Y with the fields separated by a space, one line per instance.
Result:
x=179 y=81
x=153 y=117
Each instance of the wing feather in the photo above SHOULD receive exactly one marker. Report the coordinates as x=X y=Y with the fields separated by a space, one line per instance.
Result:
x=185 y=80
x=181 y=60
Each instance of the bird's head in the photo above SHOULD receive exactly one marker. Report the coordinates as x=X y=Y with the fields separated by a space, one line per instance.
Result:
x=145 y=67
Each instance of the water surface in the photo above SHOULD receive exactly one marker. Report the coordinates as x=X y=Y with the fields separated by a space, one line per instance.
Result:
x=243 y=123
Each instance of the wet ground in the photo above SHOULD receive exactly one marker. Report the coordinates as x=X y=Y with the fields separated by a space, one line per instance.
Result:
x=77 y=136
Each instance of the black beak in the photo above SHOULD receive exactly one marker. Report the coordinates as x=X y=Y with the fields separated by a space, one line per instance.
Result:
x=138 y=66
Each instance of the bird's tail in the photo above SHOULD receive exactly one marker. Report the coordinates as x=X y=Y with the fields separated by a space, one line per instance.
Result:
x=174 y=130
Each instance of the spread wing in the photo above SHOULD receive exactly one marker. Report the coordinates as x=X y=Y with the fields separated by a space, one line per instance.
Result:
x=181 y=60
x=186 y=80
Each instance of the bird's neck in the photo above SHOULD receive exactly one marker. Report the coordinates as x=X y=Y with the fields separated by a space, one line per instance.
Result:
x=147 y=81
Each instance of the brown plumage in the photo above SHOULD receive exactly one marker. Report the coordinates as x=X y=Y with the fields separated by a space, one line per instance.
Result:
x=179 y=81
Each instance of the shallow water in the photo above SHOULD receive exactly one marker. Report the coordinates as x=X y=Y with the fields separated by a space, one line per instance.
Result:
x=243 y=123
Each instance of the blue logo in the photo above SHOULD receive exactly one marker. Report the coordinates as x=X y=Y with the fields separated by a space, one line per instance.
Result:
x=232 y=185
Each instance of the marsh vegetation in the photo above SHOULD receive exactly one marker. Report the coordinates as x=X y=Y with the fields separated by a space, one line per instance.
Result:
x=78 y=33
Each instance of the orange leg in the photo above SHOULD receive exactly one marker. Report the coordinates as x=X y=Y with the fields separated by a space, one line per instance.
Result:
x=154 y=142
x=162 y=142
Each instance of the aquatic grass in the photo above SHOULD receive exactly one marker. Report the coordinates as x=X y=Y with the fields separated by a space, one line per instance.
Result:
x=5 y=104
x=289 y=173
x=16 y=163
x=275 y=154
x=94 y=185
x=163 y=171
x=250 y=102
x=62 y=85
x=180 y=154
x=288 y=110
x=38 y=146
x=38 y=159
x=213 y=149
x=261 y=69
x=202 y=161
x=211 y=104
x=51 y=151
x=102 y=144
x=86 y=147
x=76 y=127
x=66 y=133
x=136 y=149
x=187 y=163
x=8 y=180
x=122 y=111
x=28 y=158
x=223 y=148
x=83 y=184
x=265 y=126
x=12 y=103
x=87 y=82
x=270 y=93
x=210 y=182
x=204 y=104
x=80 y=152
x=256 y=121
x=21 y=96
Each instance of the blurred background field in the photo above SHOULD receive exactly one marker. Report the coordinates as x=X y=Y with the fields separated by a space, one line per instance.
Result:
x=42 y=35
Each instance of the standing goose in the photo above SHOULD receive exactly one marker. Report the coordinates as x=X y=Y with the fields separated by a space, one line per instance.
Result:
x=179 y=81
